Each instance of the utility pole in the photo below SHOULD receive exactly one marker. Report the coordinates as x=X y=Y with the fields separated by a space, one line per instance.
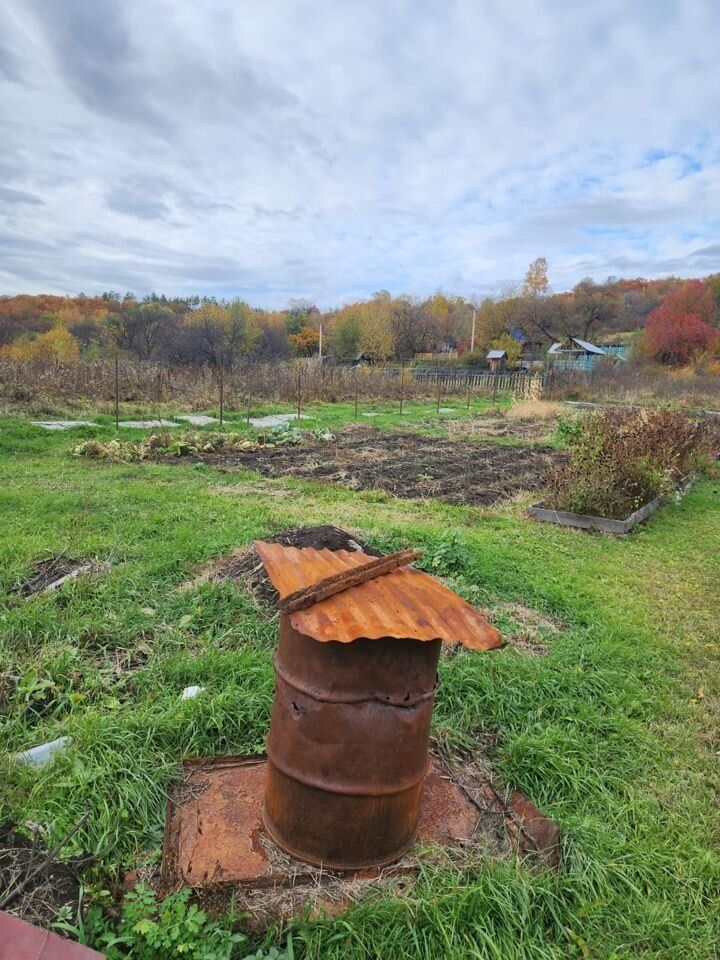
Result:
x=472 y=333
x=321 y=333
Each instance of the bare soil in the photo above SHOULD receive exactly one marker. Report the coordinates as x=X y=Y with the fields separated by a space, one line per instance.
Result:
x=52 y=571
x=55 y=885
x=406 y=465
x=245 y=566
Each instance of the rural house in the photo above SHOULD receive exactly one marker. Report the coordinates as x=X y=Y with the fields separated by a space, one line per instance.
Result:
x=575 y=354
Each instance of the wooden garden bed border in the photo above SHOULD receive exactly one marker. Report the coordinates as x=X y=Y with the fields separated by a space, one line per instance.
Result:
x=605 y=524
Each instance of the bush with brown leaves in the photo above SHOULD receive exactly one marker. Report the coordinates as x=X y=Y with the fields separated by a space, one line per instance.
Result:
x=621 y=460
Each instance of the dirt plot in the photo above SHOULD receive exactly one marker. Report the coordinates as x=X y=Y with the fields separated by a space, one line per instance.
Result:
x=32 y=885
x=244 y=566
x=406 y=465
x=51 y=572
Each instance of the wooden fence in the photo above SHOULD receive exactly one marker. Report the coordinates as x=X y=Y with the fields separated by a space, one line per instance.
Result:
x=459 y=379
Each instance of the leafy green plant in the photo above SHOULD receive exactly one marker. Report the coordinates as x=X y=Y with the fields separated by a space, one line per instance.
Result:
x=149 y=929
x=322 y=433
x=273 y=953
x=283 y=435
x=568 y=430
x=448 y=556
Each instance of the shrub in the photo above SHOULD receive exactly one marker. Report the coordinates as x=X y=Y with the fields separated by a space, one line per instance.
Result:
x=474 y=358
x=568 y=430
x=621 y=460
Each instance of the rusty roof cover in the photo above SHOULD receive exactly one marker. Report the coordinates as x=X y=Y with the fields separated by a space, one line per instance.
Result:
x=23 y=941
x=404 y=603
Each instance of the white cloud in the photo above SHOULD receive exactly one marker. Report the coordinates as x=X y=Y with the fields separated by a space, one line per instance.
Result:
x=327 y=149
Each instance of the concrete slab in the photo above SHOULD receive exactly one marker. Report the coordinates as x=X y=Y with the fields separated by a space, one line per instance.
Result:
x=62 y=424
x=148 y=424
x=196 y=419
x=276 y=419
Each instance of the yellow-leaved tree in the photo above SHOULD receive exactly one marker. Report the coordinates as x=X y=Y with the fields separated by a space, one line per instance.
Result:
x=57 y=345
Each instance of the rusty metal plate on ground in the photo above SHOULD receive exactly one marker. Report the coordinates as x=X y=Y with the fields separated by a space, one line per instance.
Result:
x=214 y=833
x=404 y=603
x=214 y=822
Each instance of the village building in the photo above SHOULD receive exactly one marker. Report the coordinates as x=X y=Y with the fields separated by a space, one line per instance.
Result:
x=497 y=360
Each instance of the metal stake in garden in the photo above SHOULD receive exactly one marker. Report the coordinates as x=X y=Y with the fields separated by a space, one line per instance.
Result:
x=222 y=389
x=117 y=407
x=402 y=389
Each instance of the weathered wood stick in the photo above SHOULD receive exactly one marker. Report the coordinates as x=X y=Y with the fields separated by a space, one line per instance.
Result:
x=329 y=586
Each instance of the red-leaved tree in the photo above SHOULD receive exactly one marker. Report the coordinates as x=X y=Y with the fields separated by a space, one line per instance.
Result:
x=682 y=325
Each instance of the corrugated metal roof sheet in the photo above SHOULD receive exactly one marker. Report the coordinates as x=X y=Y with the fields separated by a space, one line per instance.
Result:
x=404 y=603
x=496 y=354
x=23 y=941
x=590 y=347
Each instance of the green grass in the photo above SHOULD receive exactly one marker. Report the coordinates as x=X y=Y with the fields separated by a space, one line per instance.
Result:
x=614 y=733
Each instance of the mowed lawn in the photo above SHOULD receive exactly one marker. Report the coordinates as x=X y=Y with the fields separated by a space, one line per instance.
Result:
x=614 y=733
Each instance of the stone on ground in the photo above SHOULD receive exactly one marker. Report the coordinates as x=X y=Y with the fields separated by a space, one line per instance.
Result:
x=196 y=419
x=276 y=419
x=62 y=424
x=147 y=424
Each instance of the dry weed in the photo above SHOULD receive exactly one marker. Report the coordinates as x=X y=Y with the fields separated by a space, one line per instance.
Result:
x=534 y=409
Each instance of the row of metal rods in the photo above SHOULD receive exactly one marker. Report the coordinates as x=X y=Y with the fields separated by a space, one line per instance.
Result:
x=438 y=379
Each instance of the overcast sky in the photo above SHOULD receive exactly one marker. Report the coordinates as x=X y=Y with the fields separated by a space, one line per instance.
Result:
x=273 y=149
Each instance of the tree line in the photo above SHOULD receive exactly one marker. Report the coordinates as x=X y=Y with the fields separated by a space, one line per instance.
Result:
x=677 y=318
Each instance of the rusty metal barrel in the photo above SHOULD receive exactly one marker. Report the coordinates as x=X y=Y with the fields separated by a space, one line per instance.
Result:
x=348 y=747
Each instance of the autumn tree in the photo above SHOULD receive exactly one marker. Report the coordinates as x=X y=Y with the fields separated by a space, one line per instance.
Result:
x=494 y=317
x=376 y=336
x=306 y=341
x=535 y=309
x=57 y=345
x=682 y=325
x=536 y=279
x=220 y=333
x=592 y=306
x=149 y=324
x=413 y=327
x=511 y=346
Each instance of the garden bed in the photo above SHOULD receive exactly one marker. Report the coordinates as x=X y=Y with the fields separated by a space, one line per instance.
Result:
x=406 y=465
x=604 y=524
